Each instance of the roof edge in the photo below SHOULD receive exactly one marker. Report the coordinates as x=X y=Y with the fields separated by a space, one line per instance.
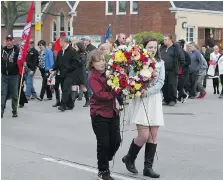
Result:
x=195 y=10
x=69 y=5
x=172 y=4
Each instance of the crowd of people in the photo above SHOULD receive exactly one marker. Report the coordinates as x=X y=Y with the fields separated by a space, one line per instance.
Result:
x=79 y=70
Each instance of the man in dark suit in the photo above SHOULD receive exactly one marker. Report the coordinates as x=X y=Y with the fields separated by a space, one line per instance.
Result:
x=65 y=63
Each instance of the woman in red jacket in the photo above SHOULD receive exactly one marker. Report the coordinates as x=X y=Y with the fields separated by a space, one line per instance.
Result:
x=104 y=114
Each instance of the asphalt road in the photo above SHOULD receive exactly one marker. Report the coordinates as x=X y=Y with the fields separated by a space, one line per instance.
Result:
x=45 y=144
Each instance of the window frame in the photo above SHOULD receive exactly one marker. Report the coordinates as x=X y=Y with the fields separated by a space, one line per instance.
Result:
x=68 y=26
x=188 y=33
x=52 y=31
x=117 y=8
x=131 y=8
x=106 y=8
x=62 y=15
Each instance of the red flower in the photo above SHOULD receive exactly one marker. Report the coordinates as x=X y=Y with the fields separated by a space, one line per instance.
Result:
x=114 y=66
x=143 y=84
x=153 y=65
x=142 y=58
x=113 y=56
x=123 y=82
x=127 y=55
x=118 y=90
x=118 y=68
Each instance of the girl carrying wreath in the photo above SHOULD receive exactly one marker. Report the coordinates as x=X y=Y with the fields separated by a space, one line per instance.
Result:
x=147 y=114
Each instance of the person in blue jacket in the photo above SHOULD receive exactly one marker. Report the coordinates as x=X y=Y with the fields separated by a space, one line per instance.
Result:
x=46 y=61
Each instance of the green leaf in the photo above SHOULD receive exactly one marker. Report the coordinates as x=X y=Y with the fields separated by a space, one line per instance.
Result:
x=139 y=36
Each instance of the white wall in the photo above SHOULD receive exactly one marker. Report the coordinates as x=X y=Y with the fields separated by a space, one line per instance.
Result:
x=199 y=19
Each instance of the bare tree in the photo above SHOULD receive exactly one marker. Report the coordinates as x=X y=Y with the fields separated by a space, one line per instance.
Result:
x=11 y=11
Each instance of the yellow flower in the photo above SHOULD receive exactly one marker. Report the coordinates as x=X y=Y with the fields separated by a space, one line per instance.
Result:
x=115 y=85
x=140 y=63
x=120 y=57
x=115 y=80
x=137 y=73
x=137 y=86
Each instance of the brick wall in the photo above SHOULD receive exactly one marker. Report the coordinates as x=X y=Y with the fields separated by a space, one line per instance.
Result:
x=91 y=19
x=153 y=16
x=56 y=8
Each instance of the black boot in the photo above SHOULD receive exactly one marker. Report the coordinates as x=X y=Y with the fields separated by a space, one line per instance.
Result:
x=57 y=104
x=130 y=158
x=150 y=151
x=14 y=114
x=86 y=95
x=74 y=95
x=218 y=90
x=214 y=90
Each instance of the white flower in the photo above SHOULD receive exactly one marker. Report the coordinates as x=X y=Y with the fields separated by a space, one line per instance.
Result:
x=122 y=47
x=145 y=72
x=136 y=78
x=129 y=48
x=125 y=92
x=110 y=62
x=108 y=73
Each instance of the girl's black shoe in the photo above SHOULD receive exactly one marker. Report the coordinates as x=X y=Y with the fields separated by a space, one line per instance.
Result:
x=104 y=175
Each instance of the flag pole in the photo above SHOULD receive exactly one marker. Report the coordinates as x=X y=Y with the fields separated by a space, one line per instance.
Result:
x=20 y=87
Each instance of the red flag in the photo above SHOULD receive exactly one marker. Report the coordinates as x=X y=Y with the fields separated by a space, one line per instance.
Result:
x=57 y=43
x=25 y=39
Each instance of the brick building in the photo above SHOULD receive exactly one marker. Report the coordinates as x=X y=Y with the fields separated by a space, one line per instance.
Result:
x=79 y=18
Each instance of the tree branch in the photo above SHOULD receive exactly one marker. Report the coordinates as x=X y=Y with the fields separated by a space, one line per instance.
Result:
x=19 y=15
x=19 y=4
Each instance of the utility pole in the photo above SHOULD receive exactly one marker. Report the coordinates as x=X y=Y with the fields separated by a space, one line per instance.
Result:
x=38 y=15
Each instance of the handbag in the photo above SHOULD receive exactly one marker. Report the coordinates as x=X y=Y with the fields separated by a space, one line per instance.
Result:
x=211 y=70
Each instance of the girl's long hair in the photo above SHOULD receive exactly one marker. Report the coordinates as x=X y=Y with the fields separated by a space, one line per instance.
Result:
x=146 y=40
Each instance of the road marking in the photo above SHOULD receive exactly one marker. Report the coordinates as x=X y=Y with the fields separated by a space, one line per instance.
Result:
x=85 y=168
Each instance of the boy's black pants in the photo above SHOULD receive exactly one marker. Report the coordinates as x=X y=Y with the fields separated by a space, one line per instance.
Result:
x=107 y=131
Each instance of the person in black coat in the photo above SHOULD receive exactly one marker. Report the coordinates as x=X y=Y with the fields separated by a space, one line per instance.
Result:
x=184 y=75
x=30 y=69
x=173 y=56
x=65 y=63
x=9 y=75
x=79 y=76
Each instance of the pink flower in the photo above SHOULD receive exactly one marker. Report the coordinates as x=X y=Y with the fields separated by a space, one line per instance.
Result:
x=151 y=69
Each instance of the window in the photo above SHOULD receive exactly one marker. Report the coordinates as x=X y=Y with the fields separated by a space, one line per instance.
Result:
x=108 y=8
x=133 y=7
x=217 y=34
x=68 y=28
x=54 y=31
x=190 y=34
x=120 y=7
x=62 y=29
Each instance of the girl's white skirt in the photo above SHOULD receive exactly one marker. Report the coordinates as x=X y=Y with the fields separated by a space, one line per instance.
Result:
x=152 y=106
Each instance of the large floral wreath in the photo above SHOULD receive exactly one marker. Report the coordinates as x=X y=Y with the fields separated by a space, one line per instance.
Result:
x=130 y=70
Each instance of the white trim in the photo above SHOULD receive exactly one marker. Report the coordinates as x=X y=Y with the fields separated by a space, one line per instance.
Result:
x=117 y=9
x=75 y=7
x=195 y=10
x=172 y=4
x=106 y=8
x=20 y=24
x=45 y=7
x=188 y=33
x=69 y=5
x=131 y=7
